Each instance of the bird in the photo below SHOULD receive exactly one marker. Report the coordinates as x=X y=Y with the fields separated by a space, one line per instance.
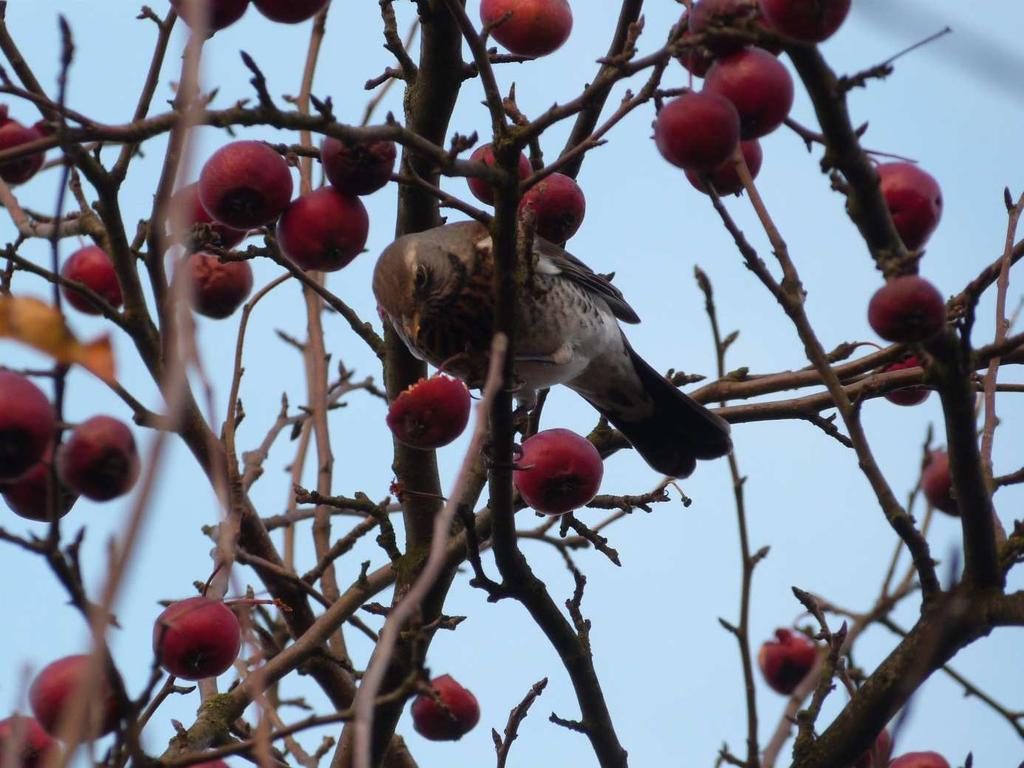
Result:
x=435 y=289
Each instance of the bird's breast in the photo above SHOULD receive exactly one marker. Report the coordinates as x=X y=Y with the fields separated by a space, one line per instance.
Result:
x=560 y=329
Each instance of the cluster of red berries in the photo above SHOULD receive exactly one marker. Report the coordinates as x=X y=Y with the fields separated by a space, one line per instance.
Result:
x=747 y=92
x=193 y=639
x=557 y=472
x=99 y=459
x=909 y=309
x=223 y=13
x=555 y=203
x=247 y=184
x=787 y=660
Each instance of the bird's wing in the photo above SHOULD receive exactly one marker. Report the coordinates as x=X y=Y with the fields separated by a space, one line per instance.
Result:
x=555 y=260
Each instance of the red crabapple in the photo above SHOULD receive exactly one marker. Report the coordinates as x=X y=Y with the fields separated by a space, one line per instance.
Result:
x=245 y=184
x=758 y=85
x=28 y=737
x=533 y=28
x=431 y=413
x=196 y=638
x=29 y=495
x=725 y=178
x=27 y=425
x=99 y=460
x=186 y=204
x=218 y=287
x=937 y=483
x=324 y=230
x=907 y=395
x=697 y=131
x=479 y=187
x=558 y=206
x=558 y=471
x=92 y=267
x=14 y=134
x=907 y=309
x=289 y=11
x=786 y=660
x=450 y=722
x=914 y=200
x=221 y=13
x=809 y=21
x=54 y=689
x=357 y=168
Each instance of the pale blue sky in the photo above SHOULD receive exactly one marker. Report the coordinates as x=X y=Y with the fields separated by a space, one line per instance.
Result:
x=670 y=673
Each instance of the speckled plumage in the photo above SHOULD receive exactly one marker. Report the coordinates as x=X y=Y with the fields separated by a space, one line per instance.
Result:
x=435 y=287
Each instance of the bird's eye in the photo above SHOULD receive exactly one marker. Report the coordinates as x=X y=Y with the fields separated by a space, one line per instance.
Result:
x=421 y=277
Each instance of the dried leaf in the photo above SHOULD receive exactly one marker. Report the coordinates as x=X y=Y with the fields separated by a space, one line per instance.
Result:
x=40 y=326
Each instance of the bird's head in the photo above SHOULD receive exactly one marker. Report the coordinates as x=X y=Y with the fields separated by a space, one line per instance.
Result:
x=418 y=273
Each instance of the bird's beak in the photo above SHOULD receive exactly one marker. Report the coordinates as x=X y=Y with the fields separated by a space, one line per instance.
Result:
x=412 y=325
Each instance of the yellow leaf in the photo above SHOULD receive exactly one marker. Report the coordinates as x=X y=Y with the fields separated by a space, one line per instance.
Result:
x=37 y=324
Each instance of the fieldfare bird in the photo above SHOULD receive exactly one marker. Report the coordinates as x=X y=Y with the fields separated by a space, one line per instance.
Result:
x=435 y=288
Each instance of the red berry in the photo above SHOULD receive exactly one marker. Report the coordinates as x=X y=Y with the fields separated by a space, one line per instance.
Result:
x=535 y=27
x=449 y=722
x=27 y=425
x=725 y=178
x=29 y=495
x=786 y=661
x=914 y=200
x=357 y=169
x=28 y=737
x=55 y=687
x=20 y=170
x=245 y=184
x=220 y=13
x=196 y=638
x=877 y=755
x=187 y=207
x=937 y=483
x=697 y=58
x=907 y=309
x=99 y=460
x=324 y=230
x=430 y=413
x=907 y=395
x=218 y=288
x=92 y=266
x=697 y=131
x=809 y=21
x=558 y=205
x=758 y=85
x=289 y=11
x=559 y=471
x=479 y=187
x=920 y=760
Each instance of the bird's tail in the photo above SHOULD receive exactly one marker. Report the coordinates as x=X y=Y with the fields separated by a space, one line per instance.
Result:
x=673 y=435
